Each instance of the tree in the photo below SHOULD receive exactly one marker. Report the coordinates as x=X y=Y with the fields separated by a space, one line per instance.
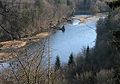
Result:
x=71 y=60
x=116 y=75
x=116 y=68
x=29 y=68
x=57 y=63
x=87 y=57
x=113 y=4
x=105 y=77
x=57 y=1
x=87 y=51
x=11 y=20
x=68 y=2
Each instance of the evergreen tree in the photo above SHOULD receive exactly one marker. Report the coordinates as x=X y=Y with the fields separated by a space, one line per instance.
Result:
x=68 y=2
x=71 y=70
x=57 y=63
x=71 y=59
x=57 y=1
x=88 y=60
x=87 y=57
x=87 y=51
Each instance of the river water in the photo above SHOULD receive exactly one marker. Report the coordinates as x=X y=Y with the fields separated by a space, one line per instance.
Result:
x=76 y=36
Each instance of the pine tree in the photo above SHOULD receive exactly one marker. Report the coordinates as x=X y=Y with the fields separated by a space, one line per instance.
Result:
x=57 y=63
x=88 y=58
x=57 y=1
x=87 y=54
x=68 y=3
x=87 y=51
x=71 y=70
x=71 y=60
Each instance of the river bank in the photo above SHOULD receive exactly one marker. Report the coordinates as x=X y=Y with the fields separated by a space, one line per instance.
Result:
x=9 y=49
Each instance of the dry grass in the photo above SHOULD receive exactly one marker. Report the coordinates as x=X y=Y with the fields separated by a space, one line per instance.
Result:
x=13 y=44
x=6 y=50
x=6 y=56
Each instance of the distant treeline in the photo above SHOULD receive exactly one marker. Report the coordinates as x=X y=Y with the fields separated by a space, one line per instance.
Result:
x=91 y=6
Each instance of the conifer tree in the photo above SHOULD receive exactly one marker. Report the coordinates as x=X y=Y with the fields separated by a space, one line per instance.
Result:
x=68 y=2
x=57 y=63
x=71 y=60
x=87 y=51
x=57 y=1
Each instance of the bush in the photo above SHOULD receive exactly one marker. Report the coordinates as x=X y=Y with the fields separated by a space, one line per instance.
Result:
x=105 y=77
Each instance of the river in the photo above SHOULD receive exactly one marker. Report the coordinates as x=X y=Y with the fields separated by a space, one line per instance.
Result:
x=77 y=35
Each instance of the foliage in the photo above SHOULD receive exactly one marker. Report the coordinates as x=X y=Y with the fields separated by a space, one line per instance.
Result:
x=98 y=65
x=24 y=17
x=105 y=77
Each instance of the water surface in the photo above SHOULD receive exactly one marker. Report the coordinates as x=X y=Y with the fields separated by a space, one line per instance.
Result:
x=76 y=36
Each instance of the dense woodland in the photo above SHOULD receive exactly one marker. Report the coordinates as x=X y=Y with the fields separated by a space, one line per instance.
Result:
x=91 y=6
x=98 y=65
x=22 y=18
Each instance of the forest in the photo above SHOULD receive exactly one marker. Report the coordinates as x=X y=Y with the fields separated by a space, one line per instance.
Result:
x=21 y=18
x=26 y=18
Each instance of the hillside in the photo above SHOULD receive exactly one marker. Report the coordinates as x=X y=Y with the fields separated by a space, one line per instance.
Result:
x=24 y=18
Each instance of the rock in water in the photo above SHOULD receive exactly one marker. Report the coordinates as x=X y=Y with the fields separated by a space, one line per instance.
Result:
x=63 y=29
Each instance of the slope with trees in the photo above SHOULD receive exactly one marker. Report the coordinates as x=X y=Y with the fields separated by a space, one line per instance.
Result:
x=98 y=65
x=21 y=18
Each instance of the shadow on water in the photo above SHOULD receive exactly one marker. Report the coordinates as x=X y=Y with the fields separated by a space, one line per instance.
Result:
x=83 y=13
